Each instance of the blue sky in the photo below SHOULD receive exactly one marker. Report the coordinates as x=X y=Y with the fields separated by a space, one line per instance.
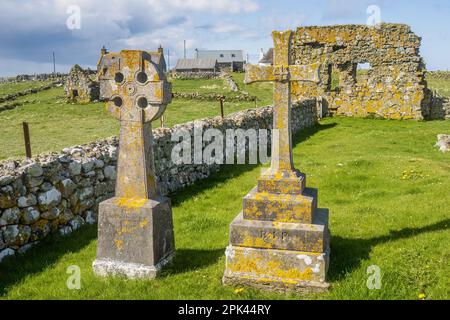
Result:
x=31 y=29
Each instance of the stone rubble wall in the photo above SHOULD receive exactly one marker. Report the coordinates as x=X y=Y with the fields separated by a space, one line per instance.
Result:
x=60 y=192
x=441 y=75
x=229 y=82
x=41 y=77
x=213 y=97
x=194 y=75
x=440 y=107
x=16 y=95
x=394 y=87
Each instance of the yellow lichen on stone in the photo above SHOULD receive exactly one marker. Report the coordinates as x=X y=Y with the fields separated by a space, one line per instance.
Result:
x=131 y=202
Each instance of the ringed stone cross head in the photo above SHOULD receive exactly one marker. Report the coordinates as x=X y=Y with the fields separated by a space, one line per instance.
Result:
x=137 y=93
x=135 y=228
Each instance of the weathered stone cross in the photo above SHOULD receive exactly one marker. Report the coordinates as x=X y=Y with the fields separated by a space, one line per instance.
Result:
x=139 y=95
x=282 y=73
x=135 y=228
x=280 y=240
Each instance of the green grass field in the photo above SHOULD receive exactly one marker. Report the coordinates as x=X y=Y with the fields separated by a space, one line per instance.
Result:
x=9 y=88
x=387 y=190
x=384 y=182
x=200 y=85
x=54 y=124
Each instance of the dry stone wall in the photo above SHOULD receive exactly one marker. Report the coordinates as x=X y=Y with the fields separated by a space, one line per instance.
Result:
x=394 y=87
x=60 y=192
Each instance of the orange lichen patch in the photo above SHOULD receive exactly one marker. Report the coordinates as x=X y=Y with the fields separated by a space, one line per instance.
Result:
x=256 y=242
x=131 y=202
x=144 y=223
x=268 y=269
x=119 y=244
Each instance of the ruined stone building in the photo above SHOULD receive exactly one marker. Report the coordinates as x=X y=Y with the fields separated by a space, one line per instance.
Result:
x=365 y=71
x=392 y=85
x=81 y=85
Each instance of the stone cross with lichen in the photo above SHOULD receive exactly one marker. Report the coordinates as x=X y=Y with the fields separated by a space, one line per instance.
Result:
x=282 y=73
x=137 y=94
x=135 y=228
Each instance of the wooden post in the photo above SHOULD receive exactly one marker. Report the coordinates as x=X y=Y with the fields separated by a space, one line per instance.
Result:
x=221 y=107
x=26 y=136
x=162 y=121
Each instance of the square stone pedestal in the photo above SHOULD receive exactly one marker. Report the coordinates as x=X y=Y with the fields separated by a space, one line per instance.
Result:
x=135 y=237
x=281 y=240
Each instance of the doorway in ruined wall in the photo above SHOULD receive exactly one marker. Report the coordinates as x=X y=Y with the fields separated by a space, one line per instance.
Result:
x=334 y=78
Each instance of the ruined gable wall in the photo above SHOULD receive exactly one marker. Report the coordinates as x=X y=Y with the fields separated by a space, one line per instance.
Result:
x=394 y=88
x=80 y=87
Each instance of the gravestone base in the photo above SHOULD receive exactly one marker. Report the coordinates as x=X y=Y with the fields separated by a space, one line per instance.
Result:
x=279 y=242
x=135 y=237
x=276 y=270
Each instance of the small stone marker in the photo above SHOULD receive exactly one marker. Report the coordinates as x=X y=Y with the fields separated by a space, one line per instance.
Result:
x=281 y=239
x=135 y=231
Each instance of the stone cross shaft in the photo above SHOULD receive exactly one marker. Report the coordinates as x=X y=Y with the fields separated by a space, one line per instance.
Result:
x=282 y=73
x=137 y=93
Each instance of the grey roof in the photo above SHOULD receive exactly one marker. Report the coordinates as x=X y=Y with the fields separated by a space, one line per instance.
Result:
x=188 y=64
x=221 y=55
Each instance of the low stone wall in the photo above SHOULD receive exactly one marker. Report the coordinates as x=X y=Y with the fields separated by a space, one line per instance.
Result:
x=16 y=95
x=213 y=96
x=442 y=75
x=60 y=192
x=34 y=77
x=229 y=81
x=439 y=107
x=195 y=75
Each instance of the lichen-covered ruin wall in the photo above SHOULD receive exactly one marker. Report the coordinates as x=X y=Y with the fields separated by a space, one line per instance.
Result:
x=60 y=192
x=394 y=87
x=80 y=86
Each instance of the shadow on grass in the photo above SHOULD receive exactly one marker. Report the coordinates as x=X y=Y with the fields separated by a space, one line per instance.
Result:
x=193 y=259
x=14 y=269
x=347 y=254
x=227 y=172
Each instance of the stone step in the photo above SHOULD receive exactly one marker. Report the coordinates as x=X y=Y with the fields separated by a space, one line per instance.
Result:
x=293 y=208
x=295 y=184
x=281 y=235
x=276 y=269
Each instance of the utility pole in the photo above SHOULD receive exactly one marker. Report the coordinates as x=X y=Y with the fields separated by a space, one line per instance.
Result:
x=184 y=49
x=54 y=63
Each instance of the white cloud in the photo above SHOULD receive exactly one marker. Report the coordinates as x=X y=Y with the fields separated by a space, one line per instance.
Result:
x=230 y=6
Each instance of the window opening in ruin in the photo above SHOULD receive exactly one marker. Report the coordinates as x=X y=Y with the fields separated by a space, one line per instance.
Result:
x=362 y=72
x=74 y=93
x=335 y=78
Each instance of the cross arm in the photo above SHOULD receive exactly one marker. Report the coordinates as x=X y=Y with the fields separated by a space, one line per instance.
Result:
x=254 y=73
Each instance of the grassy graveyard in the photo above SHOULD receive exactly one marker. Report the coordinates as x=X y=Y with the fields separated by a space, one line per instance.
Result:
x=384 y=182
x=387 y=190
